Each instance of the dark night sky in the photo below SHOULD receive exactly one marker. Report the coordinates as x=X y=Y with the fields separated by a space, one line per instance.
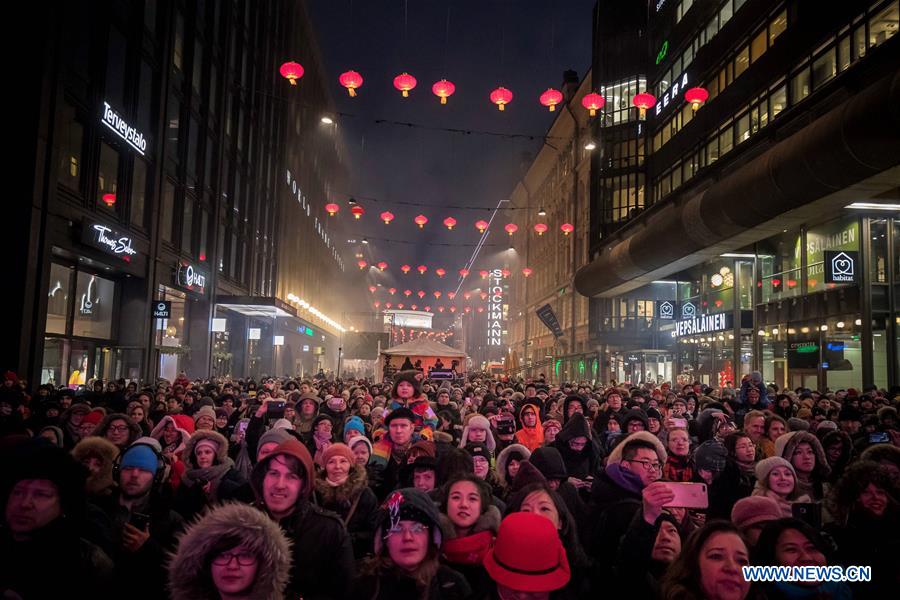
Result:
x=522 y=45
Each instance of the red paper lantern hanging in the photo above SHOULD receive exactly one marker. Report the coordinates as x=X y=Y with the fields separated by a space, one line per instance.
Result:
x=404 y=82
x=407 y=293
x=506 y=273
x=109 y=199
x=453 y=309
x=644 y=101
x=467 y=295
x=376 y=304
x=540 y=228
x=400 y=306
x=427 y=309
x=440 y=272
x=387 y=304
x=463 y=273
x=420 y=220
x=392 y=291
x=357 y=211
x=481 y=225
x=291 y=71
x=468 y=309
x=351 y=80
x=593 y=102
x=483 y=295
x=414 y=307
x=551 y=98
x=483 y=273
x=405 y=269
x=449 y=222
x=362 y=264
x=421 y=294
x=443 y=89
x=332 y=209
x=422 y=269
x=437 y=294
x=481 y=309
x=567 y=228
x=382 y=265
x=451 y=295
x=440 y=309
x=387 y=217
x=527 y=272
x=511 y=228
x=372 y=288
x=501 y=97
x=696 y=96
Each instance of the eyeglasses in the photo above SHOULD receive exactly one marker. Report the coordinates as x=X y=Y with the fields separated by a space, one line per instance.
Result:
x=243 y=558
x=117 y=428
x=648 y=465
x=415 y=529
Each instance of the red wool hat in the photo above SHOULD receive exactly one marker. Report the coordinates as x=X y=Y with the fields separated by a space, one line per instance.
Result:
x=527 y=555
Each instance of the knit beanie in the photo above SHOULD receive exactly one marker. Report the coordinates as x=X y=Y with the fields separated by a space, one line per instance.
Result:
x=140 y=456
x=273 y=435
x=711 y=456
x=754 y=509
x=337 y=450
x=205 y=411
x=354 y=424
x=767 y=465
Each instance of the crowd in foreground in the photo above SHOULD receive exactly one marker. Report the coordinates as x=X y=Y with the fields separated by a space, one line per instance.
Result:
x=329 y=489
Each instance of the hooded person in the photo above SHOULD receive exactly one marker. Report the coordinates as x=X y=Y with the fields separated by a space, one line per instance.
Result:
x=531 y=431
x=579 y=452
x=234 y=550
x=571 y=405
x=508 y=462
x=650 y=544
x=119 y=429
x=52 y=433
x=70 y=423
x=98 y=455
x=406 y=564
x=173 y=438
x=336 y=409
x=342 y=487
x=210 y=476
x=472 y=433
x=407 y=391
x=322 y=565
x=205 y=418
x=307 y=408
x=804 y=450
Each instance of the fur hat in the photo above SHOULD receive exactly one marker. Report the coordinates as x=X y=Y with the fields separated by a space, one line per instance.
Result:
x=520 y=452
x=478 y=422
x=616 y=455
x=220 y=530
x=213 y=439
x=104 y=451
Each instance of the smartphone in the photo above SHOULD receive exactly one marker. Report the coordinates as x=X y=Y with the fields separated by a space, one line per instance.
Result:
x=139 y=521
x=252 y=393
x=687 y=495
x=879 y=437
x=808 y=512
x=275 y=409
x=682 y=423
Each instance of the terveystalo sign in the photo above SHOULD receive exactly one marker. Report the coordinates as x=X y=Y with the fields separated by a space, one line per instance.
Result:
x=132 y=136
x=841 y=266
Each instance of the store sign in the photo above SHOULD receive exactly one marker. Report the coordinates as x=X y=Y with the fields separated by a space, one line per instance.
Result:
x=632 y=358
x=495 y=308
x=841 y=235
x=109 y=240
x=666 y=310
x=661 y=56
x=548 y=318
x=703 y=324
x=88 y=299
x=162 y=309
x=688 y=310
x=191 y=278
x=677 y=88
x=132 y=136
x=841 y=267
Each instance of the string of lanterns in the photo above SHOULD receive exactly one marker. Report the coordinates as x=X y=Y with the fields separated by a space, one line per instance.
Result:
x=439 y=271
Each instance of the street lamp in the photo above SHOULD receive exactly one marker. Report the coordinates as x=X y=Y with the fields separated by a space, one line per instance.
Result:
x=328 y=120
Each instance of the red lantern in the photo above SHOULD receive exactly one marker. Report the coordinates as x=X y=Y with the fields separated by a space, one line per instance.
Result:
x=382 y=265
x=427 y=309
x=644 y=101
x=696 y=96
x=449 y=222
x=440 y=309
x=463 y=273
x=407 y=293
x=527 y=272
x=404 y=82
x=372 y=288
x=332 y=209
x=405 y=269
x=387 y=305
x=483 y=295
x=400 y=306
x=540 y=228
x=506 y=273
x=422 y=269
x=481 y=225
x=437 y=294
x=511 y=228
x=109 y=199
x=421 y=294
x=468 y=309
x=420 y=220
x=357 y=211
x=392 y=291
x=443 y=89
x=567 y=228
x=376 y=304
x=551 y=98
x=483 y=274
x=453 y=309
x=593 y=102
x=387 y=217
x=501 y=97
x=440 y=272
x=362 y=264
x=481 y=309
x=451 y=295
x=291 y=71
x=351 y=80
x=414 y=307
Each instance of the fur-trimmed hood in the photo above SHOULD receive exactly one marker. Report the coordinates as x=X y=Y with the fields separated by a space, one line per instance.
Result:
x=615 y=456
x=503 y=460
x=329 y=496
x=187 y=456
x=786 y=445
x=189 y=566
x=106 y=452
x=159 y=429
x=488 y=521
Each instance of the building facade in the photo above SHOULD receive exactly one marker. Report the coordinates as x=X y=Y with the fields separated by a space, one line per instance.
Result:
x=175 y=220
x=553 y=192
x=765 y=224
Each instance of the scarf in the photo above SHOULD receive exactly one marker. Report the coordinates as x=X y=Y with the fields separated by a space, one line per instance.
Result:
x=322 y=441
x=625 y=479
x=202 y=475
x=469 y=550
x=338 y=483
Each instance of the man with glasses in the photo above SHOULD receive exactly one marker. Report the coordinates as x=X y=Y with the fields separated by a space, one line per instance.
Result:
x=633 y=464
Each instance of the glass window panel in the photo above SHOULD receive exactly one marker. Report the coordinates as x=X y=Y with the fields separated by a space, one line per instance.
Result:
x=824 y=68
x=879 y=262
x=59 y=301
x=742 y=128
x=168 y=211
x=94 y=300
x=859 y=42
x=712 y=151
x=777 y=26
x=187 y=224
x=758 y=46
x=145 y=98
x=178 y=50
x=726 y=139
x=150 y=14
x=725 y=14
x=108 y=176
x=838 y=234
x=777 y=101
x=204 y=233
x=69 y=138
x=173 y=127
x=800 y=85
x=676 y=177
x=741 y=61
x=197 y=70
x=117 y=52
x=883 y=25
x=193 y=132
x=139 y=192
x=844 y=57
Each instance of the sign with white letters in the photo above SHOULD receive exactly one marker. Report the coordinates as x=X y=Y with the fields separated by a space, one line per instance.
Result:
x=132 y=136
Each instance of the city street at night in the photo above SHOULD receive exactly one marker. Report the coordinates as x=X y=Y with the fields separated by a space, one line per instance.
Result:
x=453 y=300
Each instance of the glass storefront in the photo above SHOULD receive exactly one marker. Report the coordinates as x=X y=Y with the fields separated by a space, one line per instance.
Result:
x=171 y=334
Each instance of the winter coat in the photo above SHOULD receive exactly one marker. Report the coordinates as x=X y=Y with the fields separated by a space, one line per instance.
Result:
x=466 y=554
x=530 y=437
x=354 y=494
x=729 y=486
x=100 y=483
x=866 y=540
x=189 y=567
x=225 y=481
x=637 y=574
x=614 y=507
x=391 y=584
x=582 y=464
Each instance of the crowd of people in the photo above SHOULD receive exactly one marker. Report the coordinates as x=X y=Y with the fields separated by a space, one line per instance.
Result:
x=410 y=488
